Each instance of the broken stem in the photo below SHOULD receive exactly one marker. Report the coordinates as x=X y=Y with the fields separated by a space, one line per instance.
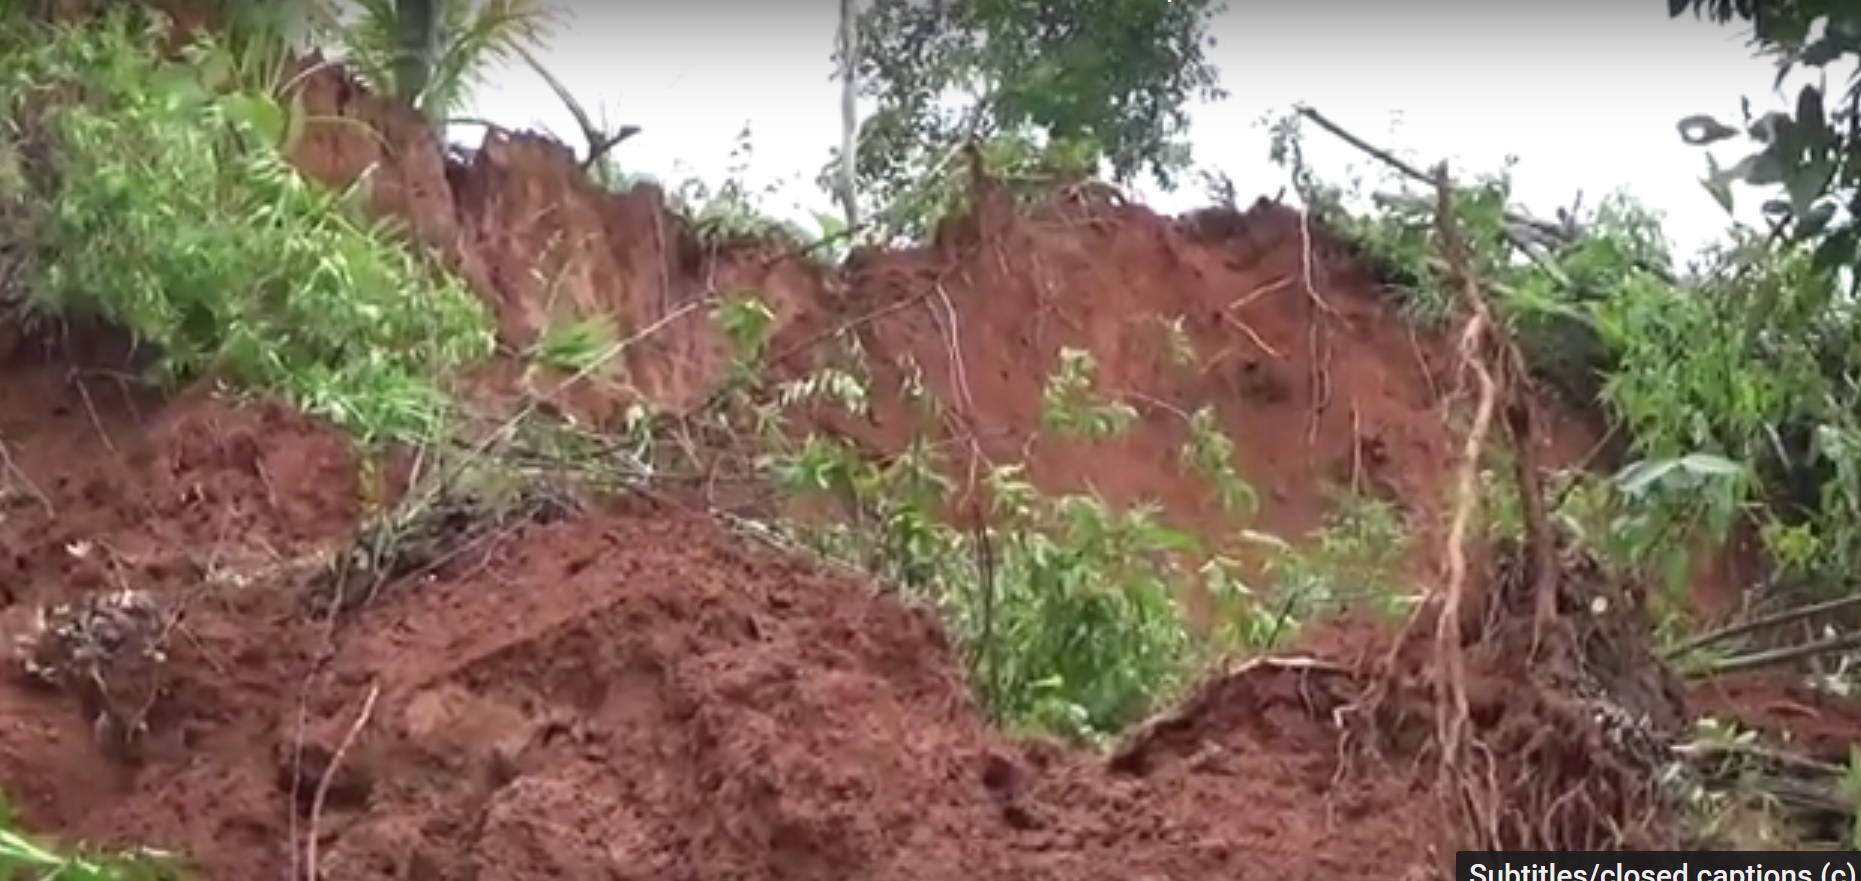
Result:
x=1778 y=657
x=1766 y=622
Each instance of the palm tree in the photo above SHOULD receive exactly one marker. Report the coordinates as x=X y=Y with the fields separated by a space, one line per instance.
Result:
x=431 y=52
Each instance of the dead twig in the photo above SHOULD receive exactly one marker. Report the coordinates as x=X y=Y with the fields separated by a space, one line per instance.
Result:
x=8 y=466
x=317 y=798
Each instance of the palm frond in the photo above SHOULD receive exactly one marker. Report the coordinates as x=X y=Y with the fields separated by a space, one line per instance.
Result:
x=364 y=32
x=474 y=36
x=477 y=37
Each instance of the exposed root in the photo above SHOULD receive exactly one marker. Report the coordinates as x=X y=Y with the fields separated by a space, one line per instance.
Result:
x=1473 y=791
x=1549 y=713
x=11 y=474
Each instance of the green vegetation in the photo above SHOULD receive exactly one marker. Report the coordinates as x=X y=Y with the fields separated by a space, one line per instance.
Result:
x=152 y=192
x=431 y=52
x=24 y=856
x=1063 y=86
x=1067 y=609
x=199 y=237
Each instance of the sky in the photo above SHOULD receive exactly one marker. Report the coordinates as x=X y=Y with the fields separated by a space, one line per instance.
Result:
x=1585 y=95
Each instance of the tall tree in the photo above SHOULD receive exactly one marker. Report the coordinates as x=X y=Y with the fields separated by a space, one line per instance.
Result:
x=1115 y=75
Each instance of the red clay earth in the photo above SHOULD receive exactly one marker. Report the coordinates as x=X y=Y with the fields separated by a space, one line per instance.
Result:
x=633 y=692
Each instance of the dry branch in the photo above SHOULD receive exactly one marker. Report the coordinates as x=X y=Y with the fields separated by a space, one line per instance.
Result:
x=1766 y=622
x=1830 y=646
x=1522 y=230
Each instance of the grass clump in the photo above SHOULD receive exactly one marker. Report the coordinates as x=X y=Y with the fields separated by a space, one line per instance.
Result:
x=23 y=856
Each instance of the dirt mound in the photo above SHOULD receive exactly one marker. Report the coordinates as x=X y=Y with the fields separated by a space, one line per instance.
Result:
x=105 y=485
x=634 y=692
x=630 y=693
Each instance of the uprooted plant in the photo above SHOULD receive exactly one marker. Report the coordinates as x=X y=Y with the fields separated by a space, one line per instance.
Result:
x=1717 y=435
x=1539 y=611
x=1725 y=382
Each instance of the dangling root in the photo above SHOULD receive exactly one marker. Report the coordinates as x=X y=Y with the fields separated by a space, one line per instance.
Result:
x=1555 y=745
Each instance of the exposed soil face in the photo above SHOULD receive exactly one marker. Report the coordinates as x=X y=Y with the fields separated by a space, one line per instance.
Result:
x=1304 y=368
x=1309 y=370
x=630 y=691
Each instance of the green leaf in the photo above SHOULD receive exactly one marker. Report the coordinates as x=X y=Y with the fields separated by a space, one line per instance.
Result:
x=297 y=119
x=1813 y=219
x=1811 y=118
x=1760 y=169
x=1636 y=478
x=1707 y=465
x=260 y=112
x=1718 y=184
x=1701 y=130
x=1823 y=52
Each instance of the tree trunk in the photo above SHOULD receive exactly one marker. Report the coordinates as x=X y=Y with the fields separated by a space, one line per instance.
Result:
x=849 y=112
x=416 y=39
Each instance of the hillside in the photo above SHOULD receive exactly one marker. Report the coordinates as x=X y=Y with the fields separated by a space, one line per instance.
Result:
x=624 y=685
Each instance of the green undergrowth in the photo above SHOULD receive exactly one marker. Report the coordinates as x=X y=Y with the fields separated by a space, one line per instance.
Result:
x=168 y=175
x=23 y=856
x=151 y=192
x=1729 y=377
x=154 y=194
x=1066 y=608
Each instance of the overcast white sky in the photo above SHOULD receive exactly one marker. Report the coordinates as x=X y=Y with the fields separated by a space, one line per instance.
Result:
x=1585 y=95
